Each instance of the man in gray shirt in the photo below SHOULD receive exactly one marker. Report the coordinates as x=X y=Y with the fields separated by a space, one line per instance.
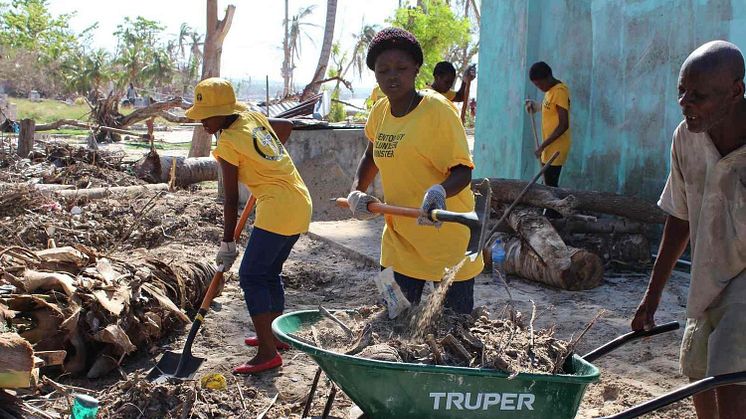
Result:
x=705 y=197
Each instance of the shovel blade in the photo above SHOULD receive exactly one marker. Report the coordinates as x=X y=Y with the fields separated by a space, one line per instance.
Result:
x=167 y=367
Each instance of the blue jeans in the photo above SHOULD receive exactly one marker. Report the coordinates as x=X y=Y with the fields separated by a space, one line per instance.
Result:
x=459 y=297
x=259 y=274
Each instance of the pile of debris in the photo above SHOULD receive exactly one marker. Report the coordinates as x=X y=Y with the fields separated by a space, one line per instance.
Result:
x=59 y=163
x=95 y=308
x=136 y=397
x=509 y=343
x=32 y=218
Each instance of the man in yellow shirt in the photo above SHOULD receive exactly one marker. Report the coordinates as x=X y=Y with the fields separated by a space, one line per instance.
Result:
x=250 y=150
x=444 y=76
x=555 y=120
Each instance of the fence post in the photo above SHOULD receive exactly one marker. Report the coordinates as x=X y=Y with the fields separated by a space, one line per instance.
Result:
x=26 y=137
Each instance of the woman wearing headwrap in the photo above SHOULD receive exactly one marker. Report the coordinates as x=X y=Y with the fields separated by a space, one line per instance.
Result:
x=418 y=144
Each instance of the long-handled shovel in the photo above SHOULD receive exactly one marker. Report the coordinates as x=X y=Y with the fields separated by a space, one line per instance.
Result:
x=475 y=220
x=183 y=365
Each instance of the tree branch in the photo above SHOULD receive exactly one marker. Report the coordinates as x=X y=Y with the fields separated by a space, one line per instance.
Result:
x=154 y=110
x=225 y=24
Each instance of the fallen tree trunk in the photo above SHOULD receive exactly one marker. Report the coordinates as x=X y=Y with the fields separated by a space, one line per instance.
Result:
x=569 y=201
x=16 y=362
x=629 y=250
x=542 y=255
x=600 y=226
x=586 y=270
x=98 y=193
x=155 y=168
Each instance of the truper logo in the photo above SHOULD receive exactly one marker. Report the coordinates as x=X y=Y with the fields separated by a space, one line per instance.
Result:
x=483 y=401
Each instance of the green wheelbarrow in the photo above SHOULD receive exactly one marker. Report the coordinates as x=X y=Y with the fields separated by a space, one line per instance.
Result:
x=400 y=390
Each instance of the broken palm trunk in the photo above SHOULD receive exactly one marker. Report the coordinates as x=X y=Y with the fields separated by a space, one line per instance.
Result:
x=568 y=201
x=541 y=255
x=97 y=309
x=186 y=171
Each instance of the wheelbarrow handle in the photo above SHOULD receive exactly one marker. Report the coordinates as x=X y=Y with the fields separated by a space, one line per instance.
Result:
x=628 y=337
x=694 y=388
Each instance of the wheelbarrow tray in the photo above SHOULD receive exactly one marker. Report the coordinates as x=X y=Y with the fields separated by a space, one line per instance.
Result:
x=401 y=390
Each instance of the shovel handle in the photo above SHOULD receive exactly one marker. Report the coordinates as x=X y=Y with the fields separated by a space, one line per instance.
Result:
x=379 y=208
x=217 y=279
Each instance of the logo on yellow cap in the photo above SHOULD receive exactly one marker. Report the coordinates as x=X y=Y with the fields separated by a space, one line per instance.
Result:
x=199 y=97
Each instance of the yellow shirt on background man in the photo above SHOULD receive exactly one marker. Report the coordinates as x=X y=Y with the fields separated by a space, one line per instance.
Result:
x=450 y=94
x=375 y=94
x=413 y=153
x=283 y=204
x=557 y=95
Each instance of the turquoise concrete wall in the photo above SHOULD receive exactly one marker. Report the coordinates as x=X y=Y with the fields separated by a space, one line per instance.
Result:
x=620 y=59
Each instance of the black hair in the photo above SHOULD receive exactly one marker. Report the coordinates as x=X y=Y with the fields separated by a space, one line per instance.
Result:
x=540 y=71
x=444 y=68
x=393 y=38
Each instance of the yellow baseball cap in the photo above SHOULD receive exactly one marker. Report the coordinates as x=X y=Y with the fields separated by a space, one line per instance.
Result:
x=214 y=97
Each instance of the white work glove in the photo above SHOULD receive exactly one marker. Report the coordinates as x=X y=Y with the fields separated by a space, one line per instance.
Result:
x=532 y=106
x=226 y=256
x=435 y=198
x=358 y=202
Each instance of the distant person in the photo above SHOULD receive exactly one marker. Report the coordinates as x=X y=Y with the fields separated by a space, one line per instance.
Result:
x=555 y=121
x=705 y=198
x=418 y=144
x=375 y=94
x=131 y=94
x=444 y=76
x=250 y=150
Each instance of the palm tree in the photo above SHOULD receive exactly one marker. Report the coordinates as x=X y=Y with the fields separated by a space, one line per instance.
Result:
x=326 y=50
x=360 y=50
x=160 y=68
x=297 y=32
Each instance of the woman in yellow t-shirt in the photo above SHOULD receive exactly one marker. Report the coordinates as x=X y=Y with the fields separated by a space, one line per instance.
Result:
x=250 y=150
x=418 y=144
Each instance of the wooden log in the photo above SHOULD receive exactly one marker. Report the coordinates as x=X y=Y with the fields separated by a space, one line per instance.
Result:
x=632 y=250
x=16 y=362
x=600 y=226
x=188 y=171
x=542 y=255
x=98 y=193
x=26 y=137
x=569 y=201
x=542 y=237
x=586 y=270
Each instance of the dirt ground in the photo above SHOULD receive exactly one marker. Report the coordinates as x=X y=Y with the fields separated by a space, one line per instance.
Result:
x=316 y=274
x=189 y=224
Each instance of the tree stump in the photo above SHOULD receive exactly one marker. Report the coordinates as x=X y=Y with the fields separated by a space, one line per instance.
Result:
x=26 y=137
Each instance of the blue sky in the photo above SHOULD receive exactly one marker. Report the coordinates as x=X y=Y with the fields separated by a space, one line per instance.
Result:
x=253 y=45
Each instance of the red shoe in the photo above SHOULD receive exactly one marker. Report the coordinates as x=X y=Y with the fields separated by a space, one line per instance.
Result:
x=257 y=368
x=254 y=341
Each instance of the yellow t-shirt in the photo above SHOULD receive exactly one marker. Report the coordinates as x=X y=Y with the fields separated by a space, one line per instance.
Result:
x=450 y=94
x=413 y=153
x=375 y=94
x=283 y=204
x=557 y=95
